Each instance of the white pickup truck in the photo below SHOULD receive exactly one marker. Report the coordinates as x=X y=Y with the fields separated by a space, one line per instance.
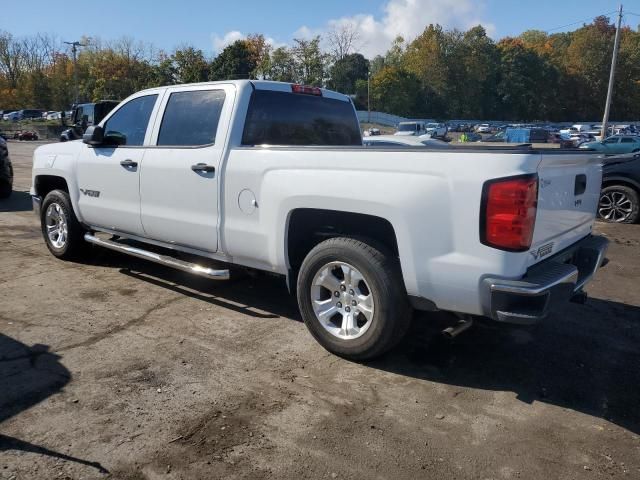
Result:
x=273 y=176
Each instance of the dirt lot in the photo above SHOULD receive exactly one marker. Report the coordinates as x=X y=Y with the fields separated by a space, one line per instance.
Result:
x=122 y=369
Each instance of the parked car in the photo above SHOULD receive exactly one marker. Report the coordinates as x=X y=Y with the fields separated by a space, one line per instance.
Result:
x=362 y=235
x=615 y=145
x=372 y=132
x=557 y=138
x=399 y=141
x=436 y=130
x=53 y=115
x=520 y=135
x=578 y=128
x=13 y=116
x=85 y=115
x=30 y=114
x=620 y=195
x=483 y=128
x=410 y=128
x=26 y=135
x=6 y=170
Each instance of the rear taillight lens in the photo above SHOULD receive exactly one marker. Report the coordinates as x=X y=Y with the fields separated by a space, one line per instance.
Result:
x=306 y=90
x=508 y=212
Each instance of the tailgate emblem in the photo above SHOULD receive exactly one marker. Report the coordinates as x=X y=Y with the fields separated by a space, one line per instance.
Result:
x=543 y=251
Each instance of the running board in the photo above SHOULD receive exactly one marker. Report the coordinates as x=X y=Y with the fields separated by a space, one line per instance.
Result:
x=161 y=259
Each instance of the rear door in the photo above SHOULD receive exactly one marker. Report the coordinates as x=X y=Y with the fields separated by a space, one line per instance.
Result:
x=179 y=179
x=568 y=193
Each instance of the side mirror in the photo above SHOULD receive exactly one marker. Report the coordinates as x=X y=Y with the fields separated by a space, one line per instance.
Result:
x=94 y=135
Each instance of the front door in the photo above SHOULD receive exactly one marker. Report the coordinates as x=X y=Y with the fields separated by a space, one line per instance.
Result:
x=179 y=178
x=109 y=175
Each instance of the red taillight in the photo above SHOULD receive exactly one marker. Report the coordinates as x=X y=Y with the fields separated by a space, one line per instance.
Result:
x=509 y=212
x=305 y=89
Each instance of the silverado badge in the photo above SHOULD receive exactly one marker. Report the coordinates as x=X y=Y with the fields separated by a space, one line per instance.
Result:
x=90 y=193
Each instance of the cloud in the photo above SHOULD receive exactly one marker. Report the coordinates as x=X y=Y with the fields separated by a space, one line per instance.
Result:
x=409 y=18
x=399 y=17
x=228 y=38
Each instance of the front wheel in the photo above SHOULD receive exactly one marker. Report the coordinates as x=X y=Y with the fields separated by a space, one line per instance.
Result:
x=352 y=298
x=61 y=230
x=619 y=204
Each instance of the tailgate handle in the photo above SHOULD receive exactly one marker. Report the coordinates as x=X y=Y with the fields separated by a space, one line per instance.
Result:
x=581 y=184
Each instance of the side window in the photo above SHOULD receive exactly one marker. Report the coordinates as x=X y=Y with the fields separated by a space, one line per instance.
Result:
x=627 y=140
x=191 y=118
x=129 y=124
x=611 y=140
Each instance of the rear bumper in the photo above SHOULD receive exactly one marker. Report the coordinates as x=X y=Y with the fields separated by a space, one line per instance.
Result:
x=531 y=298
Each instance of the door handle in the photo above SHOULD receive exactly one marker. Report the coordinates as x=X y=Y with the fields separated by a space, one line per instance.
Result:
x=128 y=163
x=203 y=167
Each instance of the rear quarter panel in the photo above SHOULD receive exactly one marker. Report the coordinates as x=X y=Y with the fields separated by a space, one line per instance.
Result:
x=431 y=198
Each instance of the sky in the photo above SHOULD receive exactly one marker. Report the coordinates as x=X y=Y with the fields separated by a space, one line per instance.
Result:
x=212 y=24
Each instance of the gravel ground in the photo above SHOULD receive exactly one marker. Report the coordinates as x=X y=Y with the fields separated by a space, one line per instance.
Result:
x=116 y=368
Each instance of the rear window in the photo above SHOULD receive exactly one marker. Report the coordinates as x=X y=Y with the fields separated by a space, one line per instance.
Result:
x=191 y=118
x=282 y=118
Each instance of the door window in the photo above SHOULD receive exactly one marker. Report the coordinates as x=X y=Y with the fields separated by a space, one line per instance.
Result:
x=627 y=140
x=128 y=125
x=191 y=118
x=609 y=141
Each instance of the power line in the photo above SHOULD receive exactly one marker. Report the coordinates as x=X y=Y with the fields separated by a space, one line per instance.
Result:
x=580 y=21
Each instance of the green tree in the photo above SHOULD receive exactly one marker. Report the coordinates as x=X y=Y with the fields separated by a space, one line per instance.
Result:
x=233 y=63
x=282 y=65
x=395 y=90
x=308 y=61
x=189 y=66
x=347 y=71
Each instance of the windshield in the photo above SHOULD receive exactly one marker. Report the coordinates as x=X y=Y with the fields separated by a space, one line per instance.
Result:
x=432 y=125
x=407 y=127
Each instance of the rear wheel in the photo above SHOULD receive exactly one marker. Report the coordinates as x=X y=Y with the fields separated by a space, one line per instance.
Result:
x=619 y=204
x=352 y=298
x=61 y=230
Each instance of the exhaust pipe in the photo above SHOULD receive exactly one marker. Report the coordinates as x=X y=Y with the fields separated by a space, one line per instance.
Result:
x=462 y=325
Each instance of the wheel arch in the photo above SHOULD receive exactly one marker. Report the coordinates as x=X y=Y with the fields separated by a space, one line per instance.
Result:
x=307 y=227
x=43 y=184
x=623 y=181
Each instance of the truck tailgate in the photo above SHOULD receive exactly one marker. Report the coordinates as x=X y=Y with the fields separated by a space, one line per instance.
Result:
x=568 y=194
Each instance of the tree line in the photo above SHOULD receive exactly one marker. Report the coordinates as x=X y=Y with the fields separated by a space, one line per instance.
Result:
x=442 y=73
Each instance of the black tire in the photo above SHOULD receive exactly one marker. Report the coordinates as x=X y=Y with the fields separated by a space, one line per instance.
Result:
x=619 y=191
x=381 y=271
x=75 y=246
x=5 y=189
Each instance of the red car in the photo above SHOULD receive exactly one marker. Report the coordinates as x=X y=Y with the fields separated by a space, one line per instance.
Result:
x=25 y=135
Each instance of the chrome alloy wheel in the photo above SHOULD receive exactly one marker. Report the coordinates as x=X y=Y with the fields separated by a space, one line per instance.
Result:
x=342 y=300
x=615 y=206
x=56 y=224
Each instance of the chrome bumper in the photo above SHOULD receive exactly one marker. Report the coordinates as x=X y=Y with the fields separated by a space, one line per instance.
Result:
x=562 y=277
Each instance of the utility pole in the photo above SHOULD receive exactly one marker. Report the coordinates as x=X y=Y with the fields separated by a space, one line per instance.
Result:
x=74 y=51
x=368 y=96
x=612 y=74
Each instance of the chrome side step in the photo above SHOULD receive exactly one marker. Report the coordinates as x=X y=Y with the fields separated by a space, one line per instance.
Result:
x=161 y=259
